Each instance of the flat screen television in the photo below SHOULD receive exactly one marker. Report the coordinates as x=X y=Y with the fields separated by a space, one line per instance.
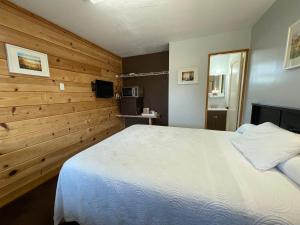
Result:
x=103 y=89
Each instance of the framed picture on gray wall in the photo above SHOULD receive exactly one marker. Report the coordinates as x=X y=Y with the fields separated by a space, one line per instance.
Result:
x=187 y=76
x=292 y=55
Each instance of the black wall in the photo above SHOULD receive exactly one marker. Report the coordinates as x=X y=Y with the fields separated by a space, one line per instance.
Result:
x=156 y=88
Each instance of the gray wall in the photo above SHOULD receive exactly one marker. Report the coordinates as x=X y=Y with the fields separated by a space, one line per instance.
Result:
x=187 y=102
x=269 y=83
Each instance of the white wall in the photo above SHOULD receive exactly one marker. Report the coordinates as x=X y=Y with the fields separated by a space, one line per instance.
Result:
x=269 y=83
x=219 y=64
x=187 y=102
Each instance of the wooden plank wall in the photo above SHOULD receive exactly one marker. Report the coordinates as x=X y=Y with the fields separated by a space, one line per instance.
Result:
x=41 y=126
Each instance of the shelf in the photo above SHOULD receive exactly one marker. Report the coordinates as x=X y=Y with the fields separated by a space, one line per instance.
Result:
x=149 y=117
x=142 y=74
x=139 y=116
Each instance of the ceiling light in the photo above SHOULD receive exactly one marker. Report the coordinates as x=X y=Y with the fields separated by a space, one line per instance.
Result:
x=95 y=1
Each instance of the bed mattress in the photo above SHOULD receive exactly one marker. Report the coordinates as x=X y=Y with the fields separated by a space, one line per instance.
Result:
x=152 y=175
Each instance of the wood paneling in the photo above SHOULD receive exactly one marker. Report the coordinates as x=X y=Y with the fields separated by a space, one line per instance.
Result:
x=41 y=126
x=59 y=36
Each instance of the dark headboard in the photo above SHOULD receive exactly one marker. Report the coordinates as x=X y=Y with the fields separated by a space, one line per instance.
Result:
x=287 y=118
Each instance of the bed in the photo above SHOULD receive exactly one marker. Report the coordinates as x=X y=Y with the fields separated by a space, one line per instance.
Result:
x=152 y=175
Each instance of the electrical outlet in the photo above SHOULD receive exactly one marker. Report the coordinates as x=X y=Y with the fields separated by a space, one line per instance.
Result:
x=62 y=86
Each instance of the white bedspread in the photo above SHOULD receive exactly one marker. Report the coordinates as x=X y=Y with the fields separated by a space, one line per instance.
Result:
x=151 y=175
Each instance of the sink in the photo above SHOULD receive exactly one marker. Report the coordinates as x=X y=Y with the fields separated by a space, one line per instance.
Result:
x=217 y=109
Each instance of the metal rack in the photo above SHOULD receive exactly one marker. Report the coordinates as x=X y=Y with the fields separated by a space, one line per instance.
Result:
x=142 y=74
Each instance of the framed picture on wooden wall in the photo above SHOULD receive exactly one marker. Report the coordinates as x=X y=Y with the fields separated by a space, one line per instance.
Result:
x=188 y=76
x=292 y=55
x=25 y=61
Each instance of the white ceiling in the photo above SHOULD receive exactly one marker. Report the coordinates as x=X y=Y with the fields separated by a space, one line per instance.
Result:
x=134 y=27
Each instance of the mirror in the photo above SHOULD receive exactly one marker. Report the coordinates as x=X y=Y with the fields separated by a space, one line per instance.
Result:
x=216 y=86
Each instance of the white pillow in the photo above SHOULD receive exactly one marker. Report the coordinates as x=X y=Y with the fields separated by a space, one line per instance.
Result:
x=267 y=145
x=291 y=168
x=245 y=127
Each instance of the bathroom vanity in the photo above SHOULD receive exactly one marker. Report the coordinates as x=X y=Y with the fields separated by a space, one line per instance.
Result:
x=216 y=118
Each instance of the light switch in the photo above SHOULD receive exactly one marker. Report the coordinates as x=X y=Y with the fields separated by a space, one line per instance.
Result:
x=62 y=86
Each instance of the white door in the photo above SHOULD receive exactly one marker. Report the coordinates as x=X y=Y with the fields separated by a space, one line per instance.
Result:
x=233 y=100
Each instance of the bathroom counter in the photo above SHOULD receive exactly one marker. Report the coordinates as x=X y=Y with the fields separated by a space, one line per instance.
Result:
x=217 y=109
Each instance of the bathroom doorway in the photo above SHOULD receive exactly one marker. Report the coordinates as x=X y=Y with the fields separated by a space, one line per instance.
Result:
x=226 y=89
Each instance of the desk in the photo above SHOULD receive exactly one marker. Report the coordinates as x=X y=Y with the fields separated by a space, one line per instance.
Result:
x=149 y=117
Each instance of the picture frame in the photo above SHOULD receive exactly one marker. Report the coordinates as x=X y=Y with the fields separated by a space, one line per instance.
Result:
x=27 y=62
x=292 y=53
x=188 y=76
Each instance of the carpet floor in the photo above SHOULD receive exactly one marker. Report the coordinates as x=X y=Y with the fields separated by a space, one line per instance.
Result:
x=34 y=208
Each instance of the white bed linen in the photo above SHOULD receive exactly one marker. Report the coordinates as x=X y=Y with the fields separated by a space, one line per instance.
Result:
x=267 y=145
x=151 y=175
x=291 y=169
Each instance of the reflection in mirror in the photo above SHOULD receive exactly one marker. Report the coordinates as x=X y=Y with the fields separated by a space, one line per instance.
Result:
x=225 y=90
x=216 y=86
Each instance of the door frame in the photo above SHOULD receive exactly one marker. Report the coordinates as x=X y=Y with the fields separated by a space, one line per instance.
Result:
x=243 y=82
